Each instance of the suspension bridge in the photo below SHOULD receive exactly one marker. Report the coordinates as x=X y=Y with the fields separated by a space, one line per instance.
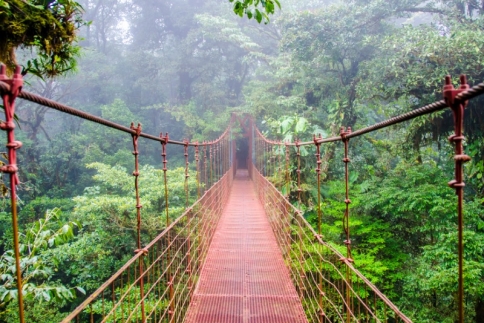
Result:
x=242 y=252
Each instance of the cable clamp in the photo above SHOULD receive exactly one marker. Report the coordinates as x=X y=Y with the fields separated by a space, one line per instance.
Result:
x=143 y=250
x=14 y=144
x=463 y=158
x=7 y=125
x=9 y=169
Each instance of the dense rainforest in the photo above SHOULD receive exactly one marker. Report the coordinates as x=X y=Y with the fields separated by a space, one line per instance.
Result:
x=183 y=67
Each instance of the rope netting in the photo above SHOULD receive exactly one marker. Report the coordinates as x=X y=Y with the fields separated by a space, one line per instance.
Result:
x=156 y=284
x=330 y=287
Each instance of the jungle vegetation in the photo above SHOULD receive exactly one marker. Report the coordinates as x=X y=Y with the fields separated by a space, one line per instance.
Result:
x=182 y=67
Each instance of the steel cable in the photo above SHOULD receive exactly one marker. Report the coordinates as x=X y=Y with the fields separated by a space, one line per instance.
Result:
x=35 y=98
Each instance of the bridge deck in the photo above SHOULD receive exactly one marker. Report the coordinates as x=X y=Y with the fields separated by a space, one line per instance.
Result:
x=244 y=279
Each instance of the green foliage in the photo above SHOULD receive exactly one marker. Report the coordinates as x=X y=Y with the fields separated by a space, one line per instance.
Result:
x=48 y=26
x=290 y=128
x=108 y=213
x=250 y=8
x=181 y=67
x=37 y=265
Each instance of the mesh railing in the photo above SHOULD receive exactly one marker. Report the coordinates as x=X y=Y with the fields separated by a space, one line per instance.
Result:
x=330 y=287
x=171 y=266
x=319 y=271
x=156 y=284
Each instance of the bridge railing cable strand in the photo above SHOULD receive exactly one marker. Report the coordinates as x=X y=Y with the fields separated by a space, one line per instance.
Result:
x=156 y=284
x=172 y=264
x=330 y=287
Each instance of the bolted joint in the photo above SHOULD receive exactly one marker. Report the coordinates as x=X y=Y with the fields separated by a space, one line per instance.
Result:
x=15 y=83
x=139 y=206
x=346 y=160
x=462 y=158
x=7 y=125
x=165 y=138
x=9 y=169
x=455 y=184
x=450 y=92
x=455 y=138
x=347 y=201
x=135 y=173
x=14 y=145
x=347 y=242
x=136 y=130
x=344 y=132
x=344 y=259
x=316 y=139
x=143 y=250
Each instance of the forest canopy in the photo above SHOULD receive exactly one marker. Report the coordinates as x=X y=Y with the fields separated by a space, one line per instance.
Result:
x=298 y=67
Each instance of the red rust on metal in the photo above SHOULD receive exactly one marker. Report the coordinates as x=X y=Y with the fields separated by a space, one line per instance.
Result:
x=8 y=98
x=458 y=108
x=244 y=278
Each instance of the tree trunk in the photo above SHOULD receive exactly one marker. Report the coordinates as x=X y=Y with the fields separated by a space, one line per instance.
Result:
x=479 y=308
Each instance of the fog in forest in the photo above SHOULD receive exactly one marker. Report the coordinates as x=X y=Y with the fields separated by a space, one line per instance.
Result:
x=183 y=68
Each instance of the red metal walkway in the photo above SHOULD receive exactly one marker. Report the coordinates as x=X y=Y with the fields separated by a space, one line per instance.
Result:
x=244 y=279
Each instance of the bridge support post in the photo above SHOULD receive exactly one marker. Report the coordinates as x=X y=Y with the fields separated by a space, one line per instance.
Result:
x=188 y=269
x=318 y=175
x=135 y=135
x=346 y=224
x=300 y=232
x=8 y=98
x=457 y=183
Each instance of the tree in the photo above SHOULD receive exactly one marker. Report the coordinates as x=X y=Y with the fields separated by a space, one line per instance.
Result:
x=47 y=26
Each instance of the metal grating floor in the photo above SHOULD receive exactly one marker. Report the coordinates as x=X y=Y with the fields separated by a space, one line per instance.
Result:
x=244 y=278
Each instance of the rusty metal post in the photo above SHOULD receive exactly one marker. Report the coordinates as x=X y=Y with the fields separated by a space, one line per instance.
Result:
x=346 y=222
x=197 y=163
x=197 y=223
x=205 y=176
x=299 y=192
x=234 y=157
x=135 y=137
x=215 y=161
x=279 y=166
x=8 y=98
x=187 y=175
x=171 y=311
x=458 y=108
x=256 y=154
x=288 y=177
x=266 y=161
x=189 y=218
x=210 y=161
x=318 y=176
